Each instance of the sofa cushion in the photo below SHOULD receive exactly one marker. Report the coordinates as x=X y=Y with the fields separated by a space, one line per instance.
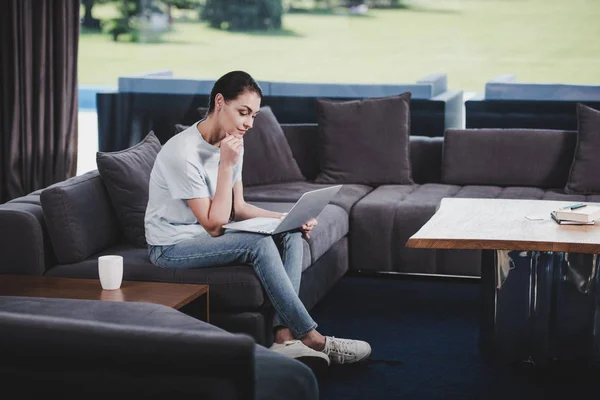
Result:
x=386 y=218
x=268 y=157
x=267 y=154
x=232 y=287
x=347 y=196
x=374 y=130
x=583 y=176
x=333 y=225
x=126 y=174
x=79 y=217
x=507 y=157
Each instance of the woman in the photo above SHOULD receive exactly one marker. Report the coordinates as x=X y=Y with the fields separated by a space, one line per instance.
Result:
x=196 y=188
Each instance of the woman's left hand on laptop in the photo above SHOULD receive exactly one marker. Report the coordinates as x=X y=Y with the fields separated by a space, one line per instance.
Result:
x=307 y=227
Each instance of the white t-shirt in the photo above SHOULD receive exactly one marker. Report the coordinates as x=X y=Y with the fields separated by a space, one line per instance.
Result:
x=185 y=168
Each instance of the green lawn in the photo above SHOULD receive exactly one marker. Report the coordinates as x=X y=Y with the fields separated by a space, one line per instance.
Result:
x=470 y=40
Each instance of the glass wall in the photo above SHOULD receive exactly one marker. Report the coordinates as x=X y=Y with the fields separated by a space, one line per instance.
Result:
x=343 y=41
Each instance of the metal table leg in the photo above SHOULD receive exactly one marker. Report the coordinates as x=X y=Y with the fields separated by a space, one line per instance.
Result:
x=540 y=306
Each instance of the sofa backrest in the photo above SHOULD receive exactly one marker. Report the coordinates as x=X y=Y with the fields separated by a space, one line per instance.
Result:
x=425 y=152
x=508 y=157
x=79 y=217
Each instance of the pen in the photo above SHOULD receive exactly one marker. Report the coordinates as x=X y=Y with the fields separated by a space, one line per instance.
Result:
x=575 y=206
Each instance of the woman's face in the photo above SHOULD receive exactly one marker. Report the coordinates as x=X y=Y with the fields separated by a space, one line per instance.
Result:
x=237 y=116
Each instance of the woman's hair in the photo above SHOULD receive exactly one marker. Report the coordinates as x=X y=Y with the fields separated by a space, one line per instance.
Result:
x=231 y=85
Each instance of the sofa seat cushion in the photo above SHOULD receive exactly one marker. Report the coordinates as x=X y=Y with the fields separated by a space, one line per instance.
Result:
x=384 y=219
x=388 y=216
x=232 y=287
x=348 y=195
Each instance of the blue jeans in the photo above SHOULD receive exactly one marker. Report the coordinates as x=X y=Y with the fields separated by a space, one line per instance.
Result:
x=277 y=261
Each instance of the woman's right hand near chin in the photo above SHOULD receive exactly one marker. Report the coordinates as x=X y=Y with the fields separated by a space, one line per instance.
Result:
x=231 y=148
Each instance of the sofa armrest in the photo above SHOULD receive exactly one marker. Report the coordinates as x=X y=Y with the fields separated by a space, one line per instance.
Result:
x=24 y=244
x=73 y=356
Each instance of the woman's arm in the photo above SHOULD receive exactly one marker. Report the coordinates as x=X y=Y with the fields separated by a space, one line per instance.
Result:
x=244 y=210
x=213 y=214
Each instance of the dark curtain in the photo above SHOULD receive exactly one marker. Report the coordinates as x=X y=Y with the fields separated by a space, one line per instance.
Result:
x=38 y=89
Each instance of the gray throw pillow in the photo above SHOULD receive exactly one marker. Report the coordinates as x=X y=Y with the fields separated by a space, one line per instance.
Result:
x=268 y=157
x=126 y=174
x=583 y=176
x=365 y=141
x=79 y=217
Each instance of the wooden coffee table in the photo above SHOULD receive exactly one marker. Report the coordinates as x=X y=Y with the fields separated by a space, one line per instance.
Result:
x=540 y=280
x=180 y=296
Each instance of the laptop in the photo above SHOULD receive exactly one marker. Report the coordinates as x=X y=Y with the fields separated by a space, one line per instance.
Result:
x=308 y=206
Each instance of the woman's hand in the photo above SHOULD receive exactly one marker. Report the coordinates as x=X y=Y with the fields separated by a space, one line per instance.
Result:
x=231 y=147
x=307 y=227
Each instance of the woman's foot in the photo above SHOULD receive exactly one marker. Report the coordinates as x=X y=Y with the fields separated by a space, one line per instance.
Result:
x=314 y=359
x=346 y=351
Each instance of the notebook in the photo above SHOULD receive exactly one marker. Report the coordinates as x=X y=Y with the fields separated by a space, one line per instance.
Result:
x=585 y=213
x=308 y=206
x=568 y=222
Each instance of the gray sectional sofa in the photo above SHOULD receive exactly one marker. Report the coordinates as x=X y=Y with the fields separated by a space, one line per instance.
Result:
x=78 y=349
x=61 y=230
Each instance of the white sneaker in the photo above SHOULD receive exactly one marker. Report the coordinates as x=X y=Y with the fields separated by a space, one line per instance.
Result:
x=344 y=351
x=301 y=352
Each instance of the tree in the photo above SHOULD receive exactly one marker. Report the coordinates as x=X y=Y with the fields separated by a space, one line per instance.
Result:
x=89 y=21
x=133 y=14
x=180 y=5
x=241 y=15
x=130 y=10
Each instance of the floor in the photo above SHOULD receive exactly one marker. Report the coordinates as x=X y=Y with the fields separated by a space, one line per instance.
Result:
x=424 y=335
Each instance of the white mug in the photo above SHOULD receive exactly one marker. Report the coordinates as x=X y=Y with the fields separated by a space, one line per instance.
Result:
x=110 y=270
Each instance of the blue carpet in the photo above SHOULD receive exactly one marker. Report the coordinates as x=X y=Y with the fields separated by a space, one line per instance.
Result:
x=424 y=337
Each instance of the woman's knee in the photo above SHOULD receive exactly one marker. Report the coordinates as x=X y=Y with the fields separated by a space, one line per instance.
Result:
x=292 y=238
x=265 y=247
